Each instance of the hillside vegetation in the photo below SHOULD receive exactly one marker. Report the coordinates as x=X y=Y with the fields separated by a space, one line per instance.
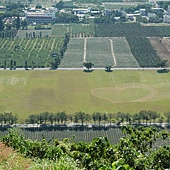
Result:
x=134 y=151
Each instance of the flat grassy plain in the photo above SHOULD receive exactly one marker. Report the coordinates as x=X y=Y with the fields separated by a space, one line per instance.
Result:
x=31 y=92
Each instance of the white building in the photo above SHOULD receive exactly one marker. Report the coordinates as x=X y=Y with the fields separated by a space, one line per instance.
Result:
x=151 y=15
x=40 y=15
x=166 y=18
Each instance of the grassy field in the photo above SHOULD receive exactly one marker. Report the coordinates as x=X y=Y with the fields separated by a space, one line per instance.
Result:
x=30 y=92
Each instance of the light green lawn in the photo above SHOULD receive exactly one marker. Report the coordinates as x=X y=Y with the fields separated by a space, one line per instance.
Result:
x=30 y=92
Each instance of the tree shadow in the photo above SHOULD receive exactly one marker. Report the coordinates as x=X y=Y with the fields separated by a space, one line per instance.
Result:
x=163 y=71
x=87 y=71
x=108 y=71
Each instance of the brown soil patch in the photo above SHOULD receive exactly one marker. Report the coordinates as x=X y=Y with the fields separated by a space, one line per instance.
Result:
x=162 y=47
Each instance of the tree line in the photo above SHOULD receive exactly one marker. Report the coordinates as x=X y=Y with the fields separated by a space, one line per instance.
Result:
x=97 y=118
x=58 y=57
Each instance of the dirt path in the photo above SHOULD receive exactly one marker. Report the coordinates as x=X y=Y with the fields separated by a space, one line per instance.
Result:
x=85 y=43
x=114 y=58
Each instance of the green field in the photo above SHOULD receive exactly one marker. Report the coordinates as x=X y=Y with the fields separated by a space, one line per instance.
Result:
x=74 y=54
x=75 y=30
x=99 y=52
x=38 y=50
x=31 y=92
x=122 y=52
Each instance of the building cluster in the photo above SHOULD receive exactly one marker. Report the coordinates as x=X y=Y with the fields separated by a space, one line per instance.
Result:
x=34 y=16
x=40 y=15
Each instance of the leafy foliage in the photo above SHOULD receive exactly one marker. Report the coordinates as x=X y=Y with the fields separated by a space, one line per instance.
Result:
x=134 y=151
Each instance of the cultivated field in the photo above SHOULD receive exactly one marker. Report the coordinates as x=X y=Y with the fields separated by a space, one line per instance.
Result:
x=29 y=33
x=37 y=50
x=123 y=55
x=73 y=58
x=161 y=45
x=100 y=51
x=30 y=92
x=75 y=30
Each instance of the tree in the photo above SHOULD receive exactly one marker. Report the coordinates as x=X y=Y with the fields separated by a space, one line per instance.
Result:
x=167 y=114
x=110 y=116
x=55 y=63
x=88 y=65
x=120 y=117
x=60 y=5
x=1 y=24
x=32 y=119
x=1 y=118
x=162 y=64
x=104 y=117
x=81 y=116
x=44 y=116
x=26 y=65
x=18 y=24
x=51 y=118
x=98 y=117
x=108 y=68
x=63 y=117
x=24 y=24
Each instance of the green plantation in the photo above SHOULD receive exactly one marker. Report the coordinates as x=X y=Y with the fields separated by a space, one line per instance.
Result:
x=35 y=51
x=121 y=45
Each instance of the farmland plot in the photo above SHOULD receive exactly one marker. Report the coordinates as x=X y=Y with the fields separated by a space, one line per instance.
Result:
x=122 y=52
x=99 y=52
x=38 y=33
x=75 y=30
x=37 y=50
x=74 y=54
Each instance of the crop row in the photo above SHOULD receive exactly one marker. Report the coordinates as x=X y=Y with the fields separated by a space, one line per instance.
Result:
x=75 y=30
x=74 y=54
x=99 y=52
x=130 y=29
x=113 y=134
x=142 y=50
x=37 y=50
x=123 y=55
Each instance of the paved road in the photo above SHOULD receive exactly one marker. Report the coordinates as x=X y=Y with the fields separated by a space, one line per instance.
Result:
x=79 y=124
x=152 y=68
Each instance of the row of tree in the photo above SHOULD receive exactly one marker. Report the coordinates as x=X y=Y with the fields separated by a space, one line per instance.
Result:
x=98 y=118
x=80 y=117
x=144 y=116
x=59 y=57
x=8 y=118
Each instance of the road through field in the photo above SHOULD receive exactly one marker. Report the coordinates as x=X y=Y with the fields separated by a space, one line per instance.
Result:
x=41 y=69
x=84 y=57
x=114 y=59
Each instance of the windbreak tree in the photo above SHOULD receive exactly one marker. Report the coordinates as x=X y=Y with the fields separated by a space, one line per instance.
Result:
x=88 y=65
